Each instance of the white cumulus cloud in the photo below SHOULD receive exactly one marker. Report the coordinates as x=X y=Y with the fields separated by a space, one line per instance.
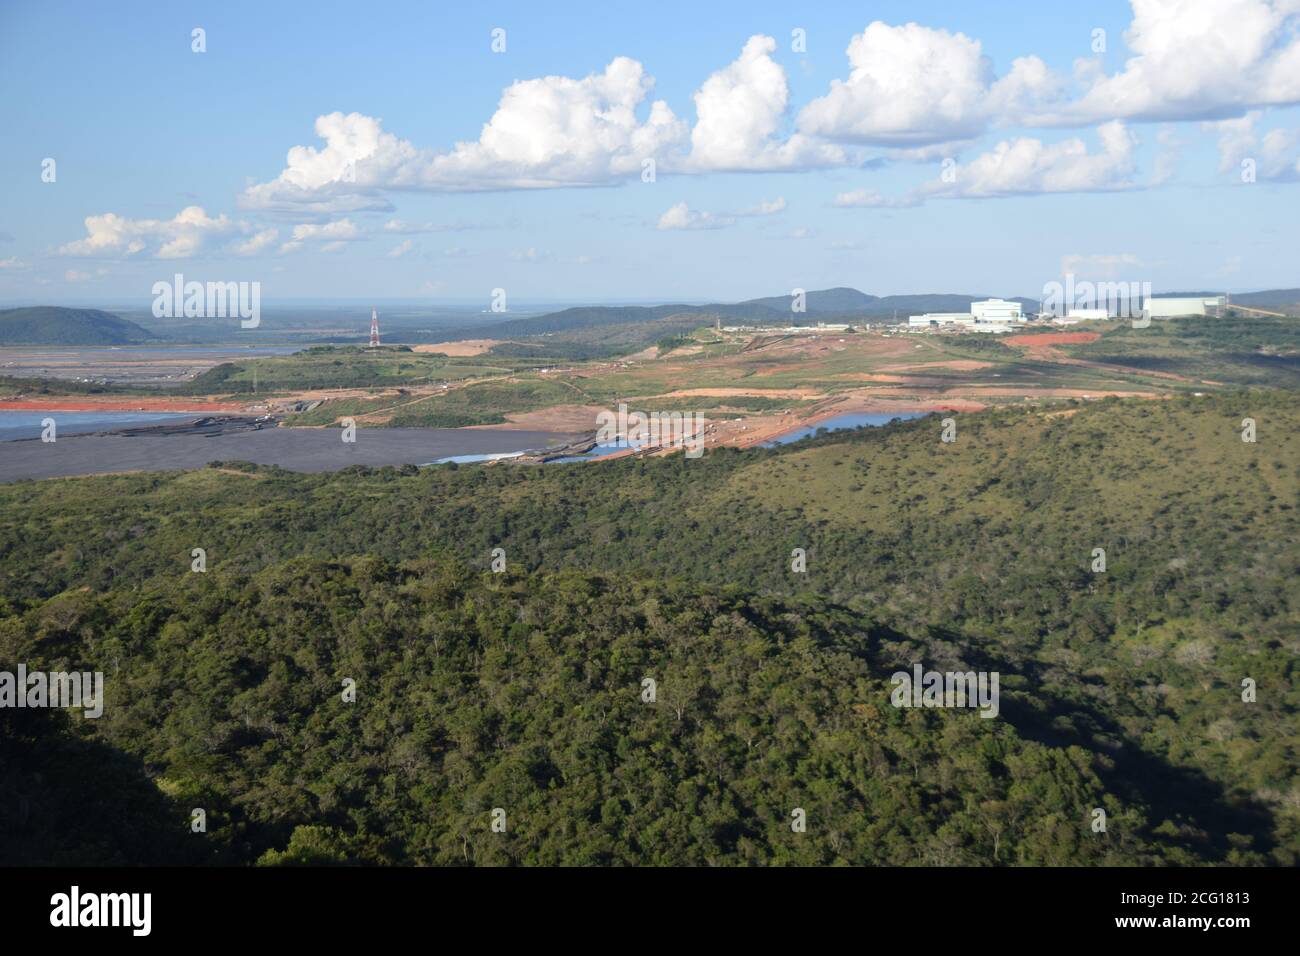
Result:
x=189 y=232
x=681 y=216
x=1199 y=59
x=913 y=85
x=739 y=111
x=1026 y=166
x=546 y=132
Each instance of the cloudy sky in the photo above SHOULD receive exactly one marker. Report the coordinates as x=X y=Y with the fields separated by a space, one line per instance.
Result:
x=665 y=151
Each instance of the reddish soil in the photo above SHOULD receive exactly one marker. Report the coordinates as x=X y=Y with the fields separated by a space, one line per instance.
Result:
x=1048 y=339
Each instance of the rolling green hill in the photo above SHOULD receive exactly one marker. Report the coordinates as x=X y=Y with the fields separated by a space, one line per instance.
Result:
x=525 y=693
x=839 y=300
x=56 y=325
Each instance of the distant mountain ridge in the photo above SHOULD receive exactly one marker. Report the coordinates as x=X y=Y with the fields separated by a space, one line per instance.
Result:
x=838 y=300
x=839 y=304
x=57 y=325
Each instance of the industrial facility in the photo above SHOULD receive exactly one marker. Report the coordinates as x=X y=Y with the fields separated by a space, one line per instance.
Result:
x=990 y=315
x=1168 y=308
x=1002 y=315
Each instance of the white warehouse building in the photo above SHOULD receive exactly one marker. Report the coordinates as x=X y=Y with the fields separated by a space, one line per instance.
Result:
x=996 y=310
x=1168 y=308
x=991 y=315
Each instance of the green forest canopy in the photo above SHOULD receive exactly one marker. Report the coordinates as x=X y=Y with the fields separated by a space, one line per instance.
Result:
x=1120 y=690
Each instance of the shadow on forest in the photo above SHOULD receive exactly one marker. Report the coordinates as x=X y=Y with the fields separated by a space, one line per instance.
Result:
x=70 y=800
x=1199 y=806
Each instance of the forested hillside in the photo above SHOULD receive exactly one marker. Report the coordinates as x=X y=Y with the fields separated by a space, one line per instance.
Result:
x=1121 y=688
x=56 y=325
x=525 y=693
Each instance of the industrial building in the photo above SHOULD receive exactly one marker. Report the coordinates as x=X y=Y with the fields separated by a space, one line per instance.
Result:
x=1168 y=308
x=997 y=311
x=989 y=315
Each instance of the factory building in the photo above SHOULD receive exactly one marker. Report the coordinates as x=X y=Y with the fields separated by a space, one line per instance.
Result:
x=1168 y=308
x=990 y=315
x=996 y=311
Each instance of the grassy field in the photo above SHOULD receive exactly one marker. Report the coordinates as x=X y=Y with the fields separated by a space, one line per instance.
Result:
x=485 y=403
x=344 y=367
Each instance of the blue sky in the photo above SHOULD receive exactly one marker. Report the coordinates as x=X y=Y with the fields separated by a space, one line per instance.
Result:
x=1121 y=165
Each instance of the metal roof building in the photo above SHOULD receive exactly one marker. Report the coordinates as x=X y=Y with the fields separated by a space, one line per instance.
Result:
x=1167 y=308
x=990 y=315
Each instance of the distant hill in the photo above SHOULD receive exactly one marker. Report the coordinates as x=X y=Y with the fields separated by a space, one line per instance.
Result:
x=847 y=303
x=587 y=317
x=55 y=325
x=1282 y=300
x=840 y=301
x=840 y=304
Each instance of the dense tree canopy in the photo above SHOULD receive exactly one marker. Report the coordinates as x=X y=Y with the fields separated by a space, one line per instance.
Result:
x=522 y=691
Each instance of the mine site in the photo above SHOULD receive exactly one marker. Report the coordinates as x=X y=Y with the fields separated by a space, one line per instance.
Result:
x=537 y=397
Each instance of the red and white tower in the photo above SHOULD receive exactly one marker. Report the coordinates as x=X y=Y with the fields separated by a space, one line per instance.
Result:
x=374 y=328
